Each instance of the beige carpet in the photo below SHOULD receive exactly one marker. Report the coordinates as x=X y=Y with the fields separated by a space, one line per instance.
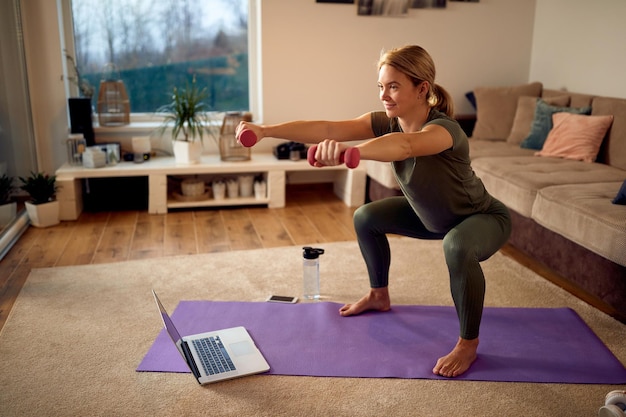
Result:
x=96 y=322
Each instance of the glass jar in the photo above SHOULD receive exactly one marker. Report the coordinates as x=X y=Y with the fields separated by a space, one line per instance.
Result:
x=230 y=149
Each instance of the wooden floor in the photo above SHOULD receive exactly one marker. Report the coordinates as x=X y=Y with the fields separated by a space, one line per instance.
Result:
x=313 y=214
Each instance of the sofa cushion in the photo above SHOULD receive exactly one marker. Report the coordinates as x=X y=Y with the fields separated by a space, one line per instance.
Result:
x=482 y=148
x=576 y=99
x=525 y=113
x=495 y=109
x=542 y=123
x=515 y=180
x=584 y=214
x=613 y=150
x=575 y=136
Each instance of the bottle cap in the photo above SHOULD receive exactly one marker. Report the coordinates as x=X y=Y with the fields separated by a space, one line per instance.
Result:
x=312 y=253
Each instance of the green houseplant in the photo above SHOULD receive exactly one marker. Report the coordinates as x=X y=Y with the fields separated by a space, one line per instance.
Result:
x=41 y=187
x=43 y=209
x=188 y=117
x=8 y=208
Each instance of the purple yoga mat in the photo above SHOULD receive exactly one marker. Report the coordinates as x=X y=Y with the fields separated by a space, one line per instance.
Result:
x=516 y=344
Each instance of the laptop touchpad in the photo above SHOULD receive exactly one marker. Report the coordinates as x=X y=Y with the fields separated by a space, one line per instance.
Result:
x=241 y=348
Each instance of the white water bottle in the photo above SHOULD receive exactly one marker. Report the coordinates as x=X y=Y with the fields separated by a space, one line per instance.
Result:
x=311 y=272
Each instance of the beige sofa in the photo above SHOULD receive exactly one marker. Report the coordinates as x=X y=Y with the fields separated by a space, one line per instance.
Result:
x=562 y=209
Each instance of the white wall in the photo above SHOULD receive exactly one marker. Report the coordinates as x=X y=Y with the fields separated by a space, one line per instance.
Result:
x=318 y=59
x=580 y=45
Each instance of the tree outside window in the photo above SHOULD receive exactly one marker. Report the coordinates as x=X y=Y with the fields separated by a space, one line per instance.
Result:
x=156 y=45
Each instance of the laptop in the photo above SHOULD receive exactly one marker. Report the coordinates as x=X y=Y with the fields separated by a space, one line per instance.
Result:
x=218 y=355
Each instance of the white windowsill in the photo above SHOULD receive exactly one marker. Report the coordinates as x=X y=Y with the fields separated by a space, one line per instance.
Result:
x=135 y=128
x=142 y=124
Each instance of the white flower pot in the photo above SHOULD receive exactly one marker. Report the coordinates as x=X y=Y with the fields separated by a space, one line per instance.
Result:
x=187 y=152
x=43 y=215
x=8 y=212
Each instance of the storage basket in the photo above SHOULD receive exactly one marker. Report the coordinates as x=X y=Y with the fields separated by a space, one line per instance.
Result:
x=192 y=187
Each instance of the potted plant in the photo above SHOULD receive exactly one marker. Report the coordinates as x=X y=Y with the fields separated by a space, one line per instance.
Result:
x=8 y=208
x=188 y=118
x=42 y=208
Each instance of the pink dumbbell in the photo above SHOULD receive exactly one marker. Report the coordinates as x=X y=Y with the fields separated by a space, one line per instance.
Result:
x=247 y=138
x=350 y=156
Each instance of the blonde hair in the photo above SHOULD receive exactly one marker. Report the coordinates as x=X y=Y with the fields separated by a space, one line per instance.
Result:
x=417 y=64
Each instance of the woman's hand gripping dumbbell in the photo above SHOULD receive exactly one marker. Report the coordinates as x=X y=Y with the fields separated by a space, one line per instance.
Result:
x=247 y=138
x=351 y=156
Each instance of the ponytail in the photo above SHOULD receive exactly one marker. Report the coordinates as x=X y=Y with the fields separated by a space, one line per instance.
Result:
x=441 y=100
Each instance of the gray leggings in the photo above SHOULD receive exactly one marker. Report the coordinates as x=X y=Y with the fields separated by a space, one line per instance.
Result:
x=467 y=244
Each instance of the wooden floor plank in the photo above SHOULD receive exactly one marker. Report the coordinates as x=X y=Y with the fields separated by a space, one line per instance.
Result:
x=82 y=244
x=328 y=226
x=211 y=233
x=301 y=229
x=179 y=217
x=123 y=218
x=343 y=214
x=269 y=228
x=48 y=247
x=180 y=239
x=241 y=232
x=115 y=244
x=17 y=254
x=180 y=233
x=93 y=217
x=148 y=239
x=10 y=289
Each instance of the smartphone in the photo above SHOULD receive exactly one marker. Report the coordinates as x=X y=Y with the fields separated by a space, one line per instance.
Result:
x=282 y=299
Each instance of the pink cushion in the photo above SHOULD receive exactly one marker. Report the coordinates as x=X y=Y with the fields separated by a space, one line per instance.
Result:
x=575 y=136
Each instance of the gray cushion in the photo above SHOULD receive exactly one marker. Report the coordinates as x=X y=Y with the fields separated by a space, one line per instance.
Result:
x=515 y=180
x=482 y=148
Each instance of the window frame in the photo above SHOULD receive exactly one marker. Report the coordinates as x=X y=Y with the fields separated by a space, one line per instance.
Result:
x=147 y=121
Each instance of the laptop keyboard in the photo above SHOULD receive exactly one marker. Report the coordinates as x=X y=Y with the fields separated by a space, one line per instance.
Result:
x=213 y=355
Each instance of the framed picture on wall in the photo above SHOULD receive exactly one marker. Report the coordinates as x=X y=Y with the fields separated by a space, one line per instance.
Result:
x=383 y=7
x=428 y=4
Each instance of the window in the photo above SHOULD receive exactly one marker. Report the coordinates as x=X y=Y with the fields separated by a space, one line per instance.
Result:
x=155 y=45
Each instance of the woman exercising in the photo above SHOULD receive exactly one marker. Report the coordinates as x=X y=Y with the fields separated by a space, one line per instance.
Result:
x=442 y=197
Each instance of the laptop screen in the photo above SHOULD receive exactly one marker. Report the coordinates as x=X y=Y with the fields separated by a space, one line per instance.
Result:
x=169 y=325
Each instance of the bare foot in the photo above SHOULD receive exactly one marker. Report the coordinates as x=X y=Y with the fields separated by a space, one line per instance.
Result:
x=377 y=299
x=459 y=360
